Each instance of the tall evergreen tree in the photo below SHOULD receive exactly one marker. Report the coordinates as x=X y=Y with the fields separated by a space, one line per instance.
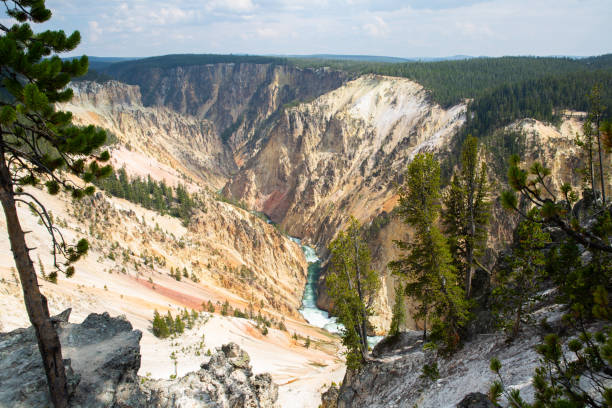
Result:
x=519 y=281
x=37 y=146
x=466 y=213
x=352 y=285
x=432 y=279
x=595 y=114
x=160 y=329
x=398 y=314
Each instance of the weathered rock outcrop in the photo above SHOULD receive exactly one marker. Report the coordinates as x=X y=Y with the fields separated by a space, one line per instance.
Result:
x=103 y=358
x=263 y=265
x=186 y=143
x=394 y=378
x=224 y=245
x=476 y=400
x=329 y=399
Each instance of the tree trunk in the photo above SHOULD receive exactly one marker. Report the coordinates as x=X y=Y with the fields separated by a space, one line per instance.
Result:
x=517 y=322
x=471 y=231
x=36 y=305
x=470 y=267
x=591 y=171
x=363 y=328
x=601 y=168
x=425 y=328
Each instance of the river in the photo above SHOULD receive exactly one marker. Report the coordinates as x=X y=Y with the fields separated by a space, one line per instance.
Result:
x=313 y=315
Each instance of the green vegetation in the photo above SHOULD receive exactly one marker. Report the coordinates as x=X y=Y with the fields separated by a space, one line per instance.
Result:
x=166 y=326
x=466 y=212
x=580 y=266
x=398 y=315
x=151 y=194
x=452 y=81
x=432 y=279
x=540 y=98
x=352 y=285
x=185 y=60
x=430 y=372
x=519 y=281
x=225 y=308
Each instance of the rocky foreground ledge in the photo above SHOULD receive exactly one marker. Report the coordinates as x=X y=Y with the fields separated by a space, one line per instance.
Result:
x=102 y=361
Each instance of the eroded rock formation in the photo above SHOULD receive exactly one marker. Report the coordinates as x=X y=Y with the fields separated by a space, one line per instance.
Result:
x=103 y=358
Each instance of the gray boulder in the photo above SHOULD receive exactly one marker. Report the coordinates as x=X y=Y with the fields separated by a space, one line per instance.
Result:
x=102 y=361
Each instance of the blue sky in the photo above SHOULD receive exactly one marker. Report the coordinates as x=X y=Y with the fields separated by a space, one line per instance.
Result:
x=412 y=28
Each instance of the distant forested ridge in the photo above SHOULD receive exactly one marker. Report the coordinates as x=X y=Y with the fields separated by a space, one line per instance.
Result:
x=452 y=81
x=185 y=60
x=500 y=90
x=540 y=98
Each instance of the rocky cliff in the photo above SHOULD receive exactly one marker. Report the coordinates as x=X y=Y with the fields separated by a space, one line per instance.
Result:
x=224 y=246
x=237 y=98
x=102 y=359
x=394 y=378
x=185 y=143
x=341 y=154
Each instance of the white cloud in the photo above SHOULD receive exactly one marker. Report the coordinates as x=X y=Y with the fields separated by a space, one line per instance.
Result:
x=267 y=32
x=238 y=6
x=377 y=28
x=171 y=15
x=95 y=31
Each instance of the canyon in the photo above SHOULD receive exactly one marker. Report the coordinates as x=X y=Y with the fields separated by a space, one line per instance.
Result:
x=272 y=152
x=312 y=148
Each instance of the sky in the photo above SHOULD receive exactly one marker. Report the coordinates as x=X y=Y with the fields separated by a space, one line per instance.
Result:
x=409 y=28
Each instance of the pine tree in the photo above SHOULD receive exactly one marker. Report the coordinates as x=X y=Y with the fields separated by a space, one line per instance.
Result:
x=160 y=329
x=39 y=146
x=225 y=308
x=169 y=320
x=432 y=279
x=352 y=285
x=466 y=213
x=398 y=314
x=519 y=281
x=179 y=325
x=595 y=115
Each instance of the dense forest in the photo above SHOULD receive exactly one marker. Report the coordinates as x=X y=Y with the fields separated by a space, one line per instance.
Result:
x=151 y=194
x=185 y=60
x=452 y=81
